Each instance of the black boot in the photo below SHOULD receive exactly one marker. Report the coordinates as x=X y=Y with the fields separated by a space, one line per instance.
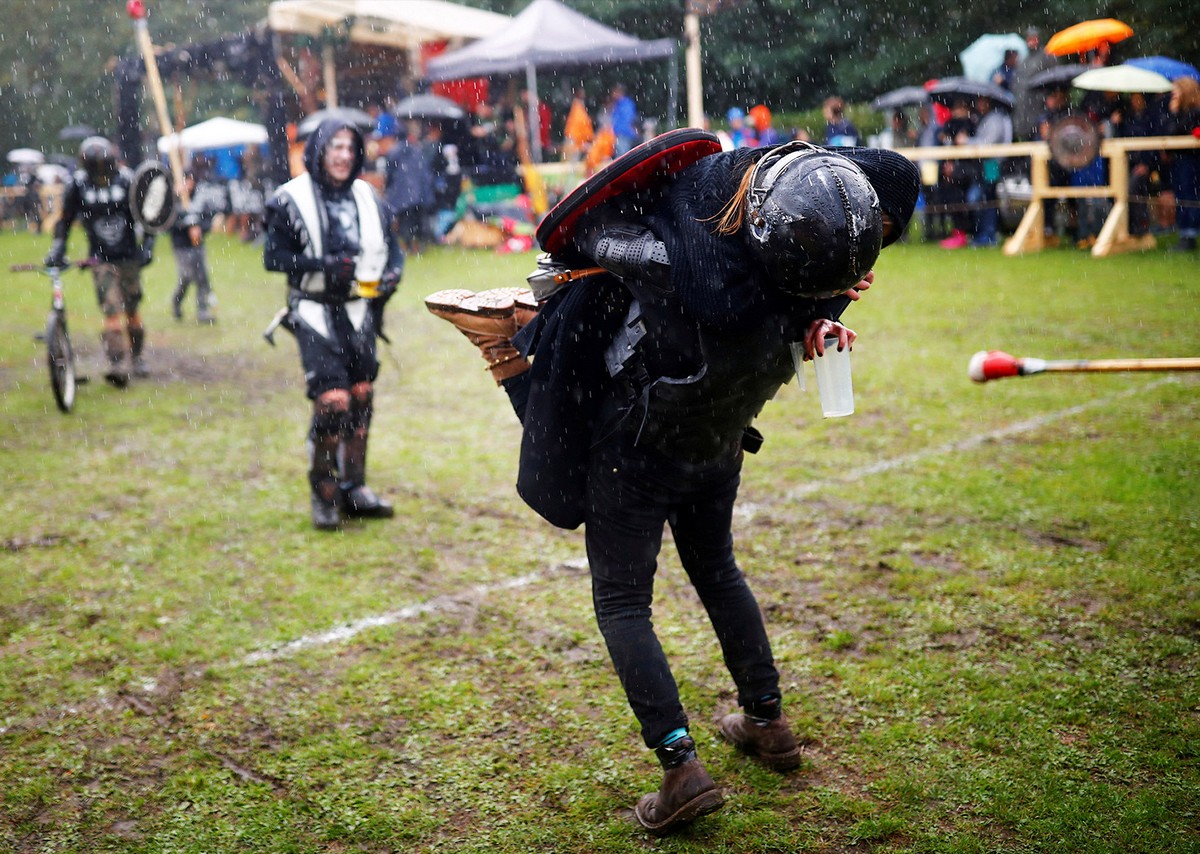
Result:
x=322 y=478
x=116 y=350
x=358 y=499
x=326 y=515
x=1185 y=244
x=137 y=342
x=687 y=791
x=764 y=734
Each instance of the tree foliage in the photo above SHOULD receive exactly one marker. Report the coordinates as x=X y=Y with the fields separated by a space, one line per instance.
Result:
x=789 y=54
x=55 y=58
x=792 y=54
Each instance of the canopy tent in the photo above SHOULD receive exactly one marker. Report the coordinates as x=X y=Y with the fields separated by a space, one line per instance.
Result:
x=406 y=25
x=375 y=29
x=215 y=133
x=548 y=34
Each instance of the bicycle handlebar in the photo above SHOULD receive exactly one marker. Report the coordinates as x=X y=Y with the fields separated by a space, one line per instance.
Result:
x=41 y=268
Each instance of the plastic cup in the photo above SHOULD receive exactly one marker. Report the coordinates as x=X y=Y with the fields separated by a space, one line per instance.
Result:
x=833 y=380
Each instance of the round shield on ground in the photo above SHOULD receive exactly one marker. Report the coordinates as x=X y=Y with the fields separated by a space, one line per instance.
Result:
x=648 y=165
x=1074 y=142
x=152 y=197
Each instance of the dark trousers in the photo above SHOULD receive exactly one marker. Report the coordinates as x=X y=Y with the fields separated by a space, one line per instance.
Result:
x=632 y=493
x=1185 y=177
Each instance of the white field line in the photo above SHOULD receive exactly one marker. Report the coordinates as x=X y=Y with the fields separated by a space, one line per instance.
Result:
x=969 y=443
x=340 y=634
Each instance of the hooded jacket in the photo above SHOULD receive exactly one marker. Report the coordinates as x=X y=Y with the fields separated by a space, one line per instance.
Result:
x=305 y=221
x=745 y=325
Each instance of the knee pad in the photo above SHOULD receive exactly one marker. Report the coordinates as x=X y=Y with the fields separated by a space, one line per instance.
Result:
x=328 y=422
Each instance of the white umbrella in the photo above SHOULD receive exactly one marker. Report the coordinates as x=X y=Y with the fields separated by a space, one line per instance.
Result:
x=26 y=156
x=1122 y=78
x=986 y=53
x=215 y=133
x=53 y=173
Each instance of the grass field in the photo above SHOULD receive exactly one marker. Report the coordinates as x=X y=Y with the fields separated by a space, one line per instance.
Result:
x=984 y=600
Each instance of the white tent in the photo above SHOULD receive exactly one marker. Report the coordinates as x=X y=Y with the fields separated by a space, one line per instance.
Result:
x=548 y=34
x=215 y=133
x=403 y=24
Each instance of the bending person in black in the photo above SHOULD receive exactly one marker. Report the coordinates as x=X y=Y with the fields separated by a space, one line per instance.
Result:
x=327 y=231
x=645 y=378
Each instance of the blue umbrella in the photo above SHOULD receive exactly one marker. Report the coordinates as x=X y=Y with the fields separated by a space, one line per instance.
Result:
x=1172 y=69
x=986 y=53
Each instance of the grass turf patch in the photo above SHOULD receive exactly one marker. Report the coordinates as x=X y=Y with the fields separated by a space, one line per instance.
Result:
x=982 y=598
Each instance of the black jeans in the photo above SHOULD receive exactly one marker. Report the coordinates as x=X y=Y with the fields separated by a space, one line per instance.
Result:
x=632 y=492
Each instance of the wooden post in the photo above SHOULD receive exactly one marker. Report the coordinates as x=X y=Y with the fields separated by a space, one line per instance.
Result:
x=330 y=68
x=1030 y=234
x=695 y=94
x=142 y=34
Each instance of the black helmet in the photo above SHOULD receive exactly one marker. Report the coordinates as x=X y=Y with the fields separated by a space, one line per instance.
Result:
x=98 y=157
x=813 y=220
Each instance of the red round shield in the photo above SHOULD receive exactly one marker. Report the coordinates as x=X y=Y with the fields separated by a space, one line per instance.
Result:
x=643 y=167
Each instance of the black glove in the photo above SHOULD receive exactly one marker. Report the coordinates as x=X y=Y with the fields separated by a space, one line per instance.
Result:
x=388 y=283
x=145 y=255
x=387 y=286
x=339 y=274
x=57 y=256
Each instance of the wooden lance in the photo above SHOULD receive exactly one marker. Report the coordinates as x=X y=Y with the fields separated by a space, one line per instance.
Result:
x=996 y=364
x=137 y=11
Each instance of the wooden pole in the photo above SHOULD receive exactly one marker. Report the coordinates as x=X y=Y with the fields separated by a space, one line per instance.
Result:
x=154 y=82
x=695 y=93
x=1109 y=365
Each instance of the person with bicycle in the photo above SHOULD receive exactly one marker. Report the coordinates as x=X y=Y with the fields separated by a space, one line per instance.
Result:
x=98 y=195
x=327 y=230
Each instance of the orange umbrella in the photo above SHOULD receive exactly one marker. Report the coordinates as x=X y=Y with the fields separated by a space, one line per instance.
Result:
x=1087 y=35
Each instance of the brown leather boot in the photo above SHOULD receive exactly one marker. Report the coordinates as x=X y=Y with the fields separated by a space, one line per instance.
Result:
x=771 y=742
x=489 y=321
x=116 y=350
x=686 y=793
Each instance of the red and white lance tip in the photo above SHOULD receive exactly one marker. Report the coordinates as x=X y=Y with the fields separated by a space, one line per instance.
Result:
x=994 y=364
x=136 y=9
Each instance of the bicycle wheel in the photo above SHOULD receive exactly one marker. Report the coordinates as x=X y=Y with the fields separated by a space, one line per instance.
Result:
x=61 y=359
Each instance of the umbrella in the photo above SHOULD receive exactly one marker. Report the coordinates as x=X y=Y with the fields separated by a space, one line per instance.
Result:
x=902 y=97
x=215 y=133
x=1122 y=78
x=949 y=89
x=53 y=173
x=1172 y=69
x=77 y=132
x=1056 y=76
x=364 y=121
x=26 y=157
x=1087 y=35
x=430 y=108
x=986 y=54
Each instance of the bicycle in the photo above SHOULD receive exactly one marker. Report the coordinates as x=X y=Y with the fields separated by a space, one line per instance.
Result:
x=60 y=355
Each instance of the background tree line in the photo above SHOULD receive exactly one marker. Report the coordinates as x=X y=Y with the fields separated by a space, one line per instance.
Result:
x=789 y=54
